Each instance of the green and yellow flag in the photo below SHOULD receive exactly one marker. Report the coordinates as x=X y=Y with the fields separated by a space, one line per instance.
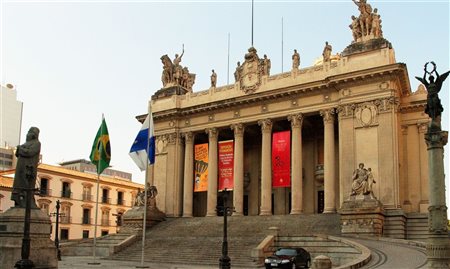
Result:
x=101 y=149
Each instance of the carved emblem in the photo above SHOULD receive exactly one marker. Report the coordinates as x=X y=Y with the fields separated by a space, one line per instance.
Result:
x=366 y=114
x=250 y=77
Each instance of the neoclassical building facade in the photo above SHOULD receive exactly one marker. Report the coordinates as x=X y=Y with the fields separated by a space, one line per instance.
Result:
x=353 y=107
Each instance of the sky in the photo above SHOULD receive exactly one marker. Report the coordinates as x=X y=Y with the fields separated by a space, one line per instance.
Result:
x=72 y=61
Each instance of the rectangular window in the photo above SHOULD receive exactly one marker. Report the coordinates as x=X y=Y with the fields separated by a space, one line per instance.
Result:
x=105 y=232
x=120 y=198
x=86 y=216
x=66 y=193
x=105 y=198
x=85 y=234
x=64 y=234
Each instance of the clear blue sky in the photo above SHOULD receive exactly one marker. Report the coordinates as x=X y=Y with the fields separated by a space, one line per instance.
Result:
x=71 y=61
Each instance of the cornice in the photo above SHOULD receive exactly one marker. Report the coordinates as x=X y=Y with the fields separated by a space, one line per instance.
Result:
x=396 y=71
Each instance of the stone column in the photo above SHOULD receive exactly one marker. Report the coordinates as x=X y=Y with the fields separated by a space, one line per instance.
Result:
x=238 y=190
x=423 y=205
x=329 y=161
x=188 y=188
x=266 y=167
x=438 y=247
x=212 y=172
x=296 y=164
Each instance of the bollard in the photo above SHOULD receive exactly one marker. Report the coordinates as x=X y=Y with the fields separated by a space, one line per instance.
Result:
x=322 y=262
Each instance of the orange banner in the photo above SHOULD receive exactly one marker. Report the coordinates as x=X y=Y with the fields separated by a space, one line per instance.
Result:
x=281 y=159
x=201 y=167
x=226 y=163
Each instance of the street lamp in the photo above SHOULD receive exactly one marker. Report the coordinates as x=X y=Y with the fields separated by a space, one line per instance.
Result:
x=57 y=214
x=224 y=261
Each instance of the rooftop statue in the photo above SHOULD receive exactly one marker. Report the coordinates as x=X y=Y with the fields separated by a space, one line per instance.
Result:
x=434 y=107
x=250 y=72
x=174 y=74
x=367 y=24
x=327 y=52
x=27 y=158
x=295 y=60
x=213 y=79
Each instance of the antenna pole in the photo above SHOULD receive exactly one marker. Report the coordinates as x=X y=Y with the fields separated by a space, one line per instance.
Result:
x=282 y=44
x=228 y=66
x=252 y=23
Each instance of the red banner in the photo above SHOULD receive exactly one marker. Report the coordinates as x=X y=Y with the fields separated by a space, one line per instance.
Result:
x=226 y=162
x=281 y=159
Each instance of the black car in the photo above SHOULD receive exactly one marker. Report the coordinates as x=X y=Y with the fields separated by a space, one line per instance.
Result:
x=289 y=258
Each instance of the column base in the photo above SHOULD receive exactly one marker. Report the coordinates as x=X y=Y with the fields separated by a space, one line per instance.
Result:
x=211 y=214
x=238 y=214
x=265 y=213
x=329 y=211
x=296 y=212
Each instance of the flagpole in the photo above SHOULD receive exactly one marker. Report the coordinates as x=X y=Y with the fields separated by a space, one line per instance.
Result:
x=96 y=205
x=144 y=222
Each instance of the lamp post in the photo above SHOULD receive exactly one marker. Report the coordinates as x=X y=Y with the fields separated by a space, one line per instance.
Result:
x=25 y=262
x=224 y=261
x=57 y=214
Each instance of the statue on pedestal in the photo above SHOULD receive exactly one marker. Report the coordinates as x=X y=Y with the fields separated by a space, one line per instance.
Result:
x=27 y=156
x=326 y=52
x=362 y=181
x=174 y=74
x=434 y=107
x=295 y=60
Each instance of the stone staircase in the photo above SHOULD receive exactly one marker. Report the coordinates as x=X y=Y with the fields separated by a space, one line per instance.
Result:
x=417 y=226
x=199 y=240
x=105 y=245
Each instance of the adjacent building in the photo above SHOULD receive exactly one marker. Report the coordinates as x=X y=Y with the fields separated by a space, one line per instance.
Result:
x=77 y=193
x=10 y=117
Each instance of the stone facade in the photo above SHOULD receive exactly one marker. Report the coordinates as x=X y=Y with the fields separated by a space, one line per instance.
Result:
x=357 y=107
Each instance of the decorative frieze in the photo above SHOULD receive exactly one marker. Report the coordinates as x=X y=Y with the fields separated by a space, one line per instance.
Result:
x=211 y=117
x=294 y=103
x=264 y=108
x=236 y=113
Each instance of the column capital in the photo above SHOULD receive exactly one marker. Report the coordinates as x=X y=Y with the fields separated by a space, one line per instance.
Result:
x=404 y=129
x=327 y=115
x=238 y=129
x=188 y=137
x=212 y=132
x=296 y=120
x=172 y=138
x=266 y=125
x=422 y=127
x=345 y=111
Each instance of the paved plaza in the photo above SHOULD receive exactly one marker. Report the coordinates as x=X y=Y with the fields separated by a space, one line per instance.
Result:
x=386 y=254
x=83 y=262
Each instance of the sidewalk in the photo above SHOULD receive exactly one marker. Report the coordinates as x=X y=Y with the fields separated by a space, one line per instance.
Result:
x=81 y=262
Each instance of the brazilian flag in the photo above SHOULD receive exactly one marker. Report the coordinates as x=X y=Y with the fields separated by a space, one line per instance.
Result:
x=101 y=149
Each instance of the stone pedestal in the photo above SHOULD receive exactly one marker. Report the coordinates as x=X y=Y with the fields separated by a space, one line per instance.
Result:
x=362 y=215
x=133 y=219
x=169 y=91
x=42 y=252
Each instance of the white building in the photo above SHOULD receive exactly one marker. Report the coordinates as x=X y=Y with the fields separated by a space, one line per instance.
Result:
x=10 y=117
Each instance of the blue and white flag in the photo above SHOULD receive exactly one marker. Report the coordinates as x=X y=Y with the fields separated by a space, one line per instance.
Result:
x=138 y=151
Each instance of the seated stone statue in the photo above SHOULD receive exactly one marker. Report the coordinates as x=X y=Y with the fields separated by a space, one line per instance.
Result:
x=360 y=183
